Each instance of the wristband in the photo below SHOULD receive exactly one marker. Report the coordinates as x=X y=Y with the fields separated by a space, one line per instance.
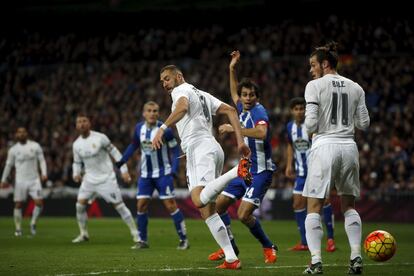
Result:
x=163 y=127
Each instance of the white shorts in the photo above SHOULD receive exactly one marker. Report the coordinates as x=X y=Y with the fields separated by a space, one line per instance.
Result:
x=333 y=165
x=205 y=161
x=108 y=190
x=33 y=188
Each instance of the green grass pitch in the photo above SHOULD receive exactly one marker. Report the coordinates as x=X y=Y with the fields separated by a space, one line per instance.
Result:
x=108 y=252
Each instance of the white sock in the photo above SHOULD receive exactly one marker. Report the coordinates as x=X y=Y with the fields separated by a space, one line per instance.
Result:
x=17 y=213
x=82 y=218
x=353 y=228
x=213 y=188
x=126 y=216
x=219 y=232
x=36 y=212
x=314 y=233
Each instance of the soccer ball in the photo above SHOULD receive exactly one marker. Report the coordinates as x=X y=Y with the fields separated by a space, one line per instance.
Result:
x=380 y=246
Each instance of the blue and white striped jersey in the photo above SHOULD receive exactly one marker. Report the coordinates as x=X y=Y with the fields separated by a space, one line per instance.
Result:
x=154 y=163
x=261 y=149
x=301 y=144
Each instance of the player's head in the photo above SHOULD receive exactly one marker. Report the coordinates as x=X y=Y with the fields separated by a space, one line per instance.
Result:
x=171 y=77
x=21 y=134
x=83 y=123
x=297 y=108
x=323 y=60
x=248 y=92
x=151 y=112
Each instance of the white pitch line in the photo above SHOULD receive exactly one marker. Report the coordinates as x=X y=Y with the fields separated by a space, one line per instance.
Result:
x=213 y=268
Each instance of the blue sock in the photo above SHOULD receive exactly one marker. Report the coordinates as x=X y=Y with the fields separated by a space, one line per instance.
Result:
x=328 y=219
x=260 y=235
x=142 y=221
x=179 y=223
x=300 y=216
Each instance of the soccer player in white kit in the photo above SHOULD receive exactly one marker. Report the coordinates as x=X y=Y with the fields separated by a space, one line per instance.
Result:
x=192 y=111
x=92 y=151
x=26 y=156
x=335 y=105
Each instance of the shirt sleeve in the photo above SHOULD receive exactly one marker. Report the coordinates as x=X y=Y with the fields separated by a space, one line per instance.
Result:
x=213 y=102
x=239 y=107
x=178 y=93
x=113 y=151
x=312 y=107
x=362 y=119
x=41 y=159
x=260 y=116
x=77 y=163
x=9 y=165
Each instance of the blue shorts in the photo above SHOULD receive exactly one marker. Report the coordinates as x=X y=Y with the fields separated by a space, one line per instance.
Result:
x=253 y=193
x=299 y=184
x=163 y=184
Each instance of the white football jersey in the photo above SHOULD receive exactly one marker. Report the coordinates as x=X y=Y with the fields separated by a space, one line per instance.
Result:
x=93 y=151
x=197 y=122
x=334 y=106
x=26 y=158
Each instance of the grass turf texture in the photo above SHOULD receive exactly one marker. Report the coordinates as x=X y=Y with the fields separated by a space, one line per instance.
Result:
x=108 y=252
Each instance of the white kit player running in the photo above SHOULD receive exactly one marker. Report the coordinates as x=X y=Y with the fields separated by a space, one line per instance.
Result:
x=335 y=105
x=192 y=111
x=26 y=156
x=92 y=150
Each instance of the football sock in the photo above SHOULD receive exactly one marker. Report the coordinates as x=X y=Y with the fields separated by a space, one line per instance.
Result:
x=213 y=188
x=353 y=227
x=218 y=230
x=126 y=216
x=17 y=214
x=179 y=223
x=227 y=221
x=300 y=216
x=314 y=233
x=329 y=220
x=36 y=212
x=82 y=218
x=142 y=221
x=260 y=235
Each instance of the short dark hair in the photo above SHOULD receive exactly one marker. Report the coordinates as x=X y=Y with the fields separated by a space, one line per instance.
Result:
x=297 y=101
x=248 y=83
x=327 y=52
x=82 y=114
x=171 y=67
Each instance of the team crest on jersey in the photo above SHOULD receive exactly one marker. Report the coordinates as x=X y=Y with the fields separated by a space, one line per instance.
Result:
x=146 y=147
x=301 y=145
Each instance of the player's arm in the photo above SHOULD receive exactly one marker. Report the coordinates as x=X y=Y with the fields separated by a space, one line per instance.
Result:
x=116 y=155
x=76 y=166
x=7 y=169
x=234 y=121
x=289 y=162
x=235 y=57
x=179 y=112
x=312 y=108
x=42 y=163
x=129 y=150
x=257 y=132
x=174 y=149
x=361 y=118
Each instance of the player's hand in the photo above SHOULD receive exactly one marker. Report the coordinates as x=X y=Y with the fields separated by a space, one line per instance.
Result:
x=289 y=172
x=235 y=57
x=119 y=164
x=226 y=128
x=77 y=178
x=157 y=141
x=126 y=177
x=43 y=178
x=244 y=150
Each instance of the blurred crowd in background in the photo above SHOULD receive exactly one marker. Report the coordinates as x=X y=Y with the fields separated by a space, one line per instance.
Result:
x=46 y=78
